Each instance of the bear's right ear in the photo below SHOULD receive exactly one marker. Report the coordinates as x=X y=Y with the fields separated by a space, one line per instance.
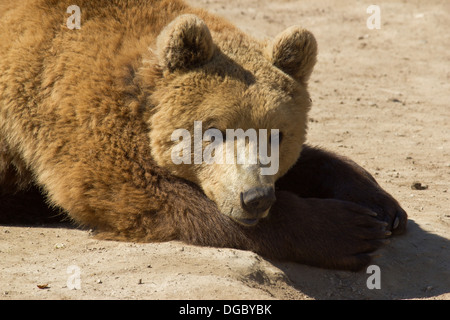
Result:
x=184 y=43
x=294 y=51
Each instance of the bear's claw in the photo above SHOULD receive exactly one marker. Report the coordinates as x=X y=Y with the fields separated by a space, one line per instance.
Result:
x=396 y=223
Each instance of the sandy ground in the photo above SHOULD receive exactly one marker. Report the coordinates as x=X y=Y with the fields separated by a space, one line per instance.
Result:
x=380 y=97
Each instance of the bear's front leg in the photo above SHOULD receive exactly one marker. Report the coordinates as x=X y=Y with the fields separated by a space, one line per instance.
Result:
x=325 y=233
x=322 y=174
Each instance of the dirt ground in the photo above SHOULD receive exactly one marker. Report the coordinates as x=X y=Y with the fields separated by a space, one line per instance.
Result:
x=380 y=96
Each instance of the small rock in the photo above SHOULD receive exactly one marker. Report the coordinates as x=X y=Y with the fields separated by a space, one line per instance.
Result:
x=418 y=186
x=363 y=37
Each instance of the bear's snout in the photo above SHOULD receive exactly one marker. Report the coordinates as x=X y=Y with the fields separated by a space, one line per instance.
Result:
x=256 y=201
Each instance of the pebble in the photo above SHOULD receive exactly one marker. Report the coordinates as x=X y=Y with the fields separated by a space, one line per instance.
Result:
x=418 y=186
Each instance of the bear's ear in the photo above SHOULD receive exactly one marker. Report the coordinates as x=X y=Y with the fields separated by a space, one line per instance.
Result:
x=184 y=43
x=294 y=51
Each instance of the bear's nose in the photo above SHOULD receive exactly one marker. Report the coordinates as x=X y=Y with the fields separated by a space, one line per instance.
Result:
x=257 y=200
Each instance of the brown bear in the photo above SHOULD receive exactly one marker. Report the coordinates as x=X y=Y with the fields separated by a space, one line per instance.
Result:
x=87 y=117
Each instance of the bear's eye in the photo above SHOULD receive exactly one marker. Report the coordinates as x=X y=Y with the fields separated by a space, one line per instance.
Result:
x=223 y=132
x=280 y=137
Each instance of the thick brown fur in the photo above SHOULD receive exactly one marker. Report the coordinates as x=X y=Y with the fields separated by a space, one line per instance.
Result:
x=86 y=116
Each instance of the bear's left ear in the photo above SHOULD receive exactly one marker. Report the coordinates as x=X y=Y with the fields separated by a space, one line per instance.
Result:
x=294 y=51
x=184 y=43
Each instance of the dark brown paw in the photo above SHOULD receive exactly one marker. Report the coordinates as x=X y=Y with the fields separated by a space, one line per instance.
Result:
x=359 y=234
x=388 y=210
x=331 y=233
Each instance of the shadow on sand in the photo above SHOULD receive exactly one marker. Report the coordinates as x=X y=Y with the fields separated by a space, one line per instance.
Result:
x=413 y=266
x=28 y=208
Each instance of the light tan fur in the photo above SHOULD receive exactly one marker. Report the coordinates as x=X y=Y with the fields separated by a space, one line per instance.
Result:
x=86 y=118
x=71 y=97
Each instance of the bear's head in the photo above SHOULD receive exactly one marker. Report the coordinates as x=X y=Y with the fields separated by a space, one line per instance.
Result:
x=230 y=112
